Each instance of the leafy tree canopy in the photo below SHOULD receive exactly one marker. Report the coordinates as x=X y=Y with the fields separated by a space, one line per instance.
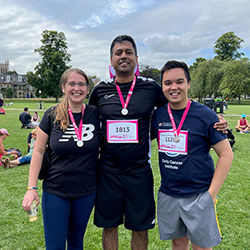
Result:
x=9 y=92
x=150 y=72
x=226 y=47
x=236 y=78
x=54 y=62
x=206 y=78
x=196 y=63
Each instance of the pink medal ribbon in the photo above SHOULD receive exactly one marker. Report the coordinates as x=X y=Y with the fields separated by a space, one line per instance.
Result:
x=125 y=105
x=177 y=131
x=78 y=131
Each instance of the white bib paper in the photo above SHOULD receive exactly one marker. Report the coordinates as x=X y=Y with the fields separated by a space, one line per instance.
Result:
x=166 y=141
x=122 y=131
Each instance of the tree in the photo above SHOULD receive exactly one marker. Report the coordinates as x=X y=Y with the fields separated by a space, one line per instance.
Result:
x=54 y=62
x=206 y=78
x=8 y=92
x=214 y=77
x=8 y=73
x=236 y=78
x=196 y=63
x=150 y=72
x=226 y=47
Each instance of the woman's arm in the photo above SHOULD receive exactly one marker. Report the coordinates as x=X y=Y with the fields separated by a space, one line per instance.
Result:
x=224 y=151
x=35 y=166
x=3 y=152
x=247 y=123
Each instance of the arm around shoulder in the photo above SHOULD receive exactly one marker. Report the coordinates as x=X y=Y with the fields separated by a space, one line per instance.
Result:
x=221 y=125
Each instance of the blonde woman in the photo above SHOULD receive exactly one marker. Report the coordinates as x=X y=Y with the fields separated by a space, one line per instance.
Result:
x=69 y=187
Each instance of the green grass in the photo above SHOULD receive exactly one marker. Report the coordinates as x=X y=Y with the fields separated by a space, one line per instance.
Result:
x=18 y=233
x=30 y=103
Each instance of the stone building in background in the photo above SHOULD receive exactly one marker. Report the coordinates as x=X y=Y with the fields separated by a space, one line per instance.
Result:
x=4 y=67
x=15 y=81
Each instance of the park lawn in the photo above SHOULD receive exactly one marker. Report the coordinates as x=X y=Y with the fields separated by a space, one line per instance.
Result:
x=32 y=103
x=233 y=207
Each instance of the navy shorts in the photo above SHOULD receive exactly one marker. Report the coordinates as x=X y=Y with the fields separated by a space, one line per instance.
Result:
x=127 y=199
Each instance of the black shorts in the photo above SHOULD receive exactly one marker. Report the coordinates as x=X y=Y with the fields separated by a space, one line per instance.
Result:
x=128 y=197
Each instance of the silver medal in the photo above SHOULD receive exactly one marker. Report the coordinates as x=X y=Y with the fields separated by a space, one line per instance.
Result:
x=79 y=143
x=176 y=138
x=124 y=111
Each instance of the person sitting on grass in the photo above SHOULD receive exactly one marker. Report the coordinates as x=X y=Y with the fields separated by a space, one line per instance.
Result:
x=25 y=119
x=2 y=111
x=35 y=118
x=3 y=135
x=243 y=125
x=24 y=159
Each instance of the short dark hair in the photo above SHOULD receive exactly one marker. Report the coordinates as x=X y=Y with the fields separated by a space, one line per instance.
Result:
x=121 y=39
x=25 y=109
x=175 y=64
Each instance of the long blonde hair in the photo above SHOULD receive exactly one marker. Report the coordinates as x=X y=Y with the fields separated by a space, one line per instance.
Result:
x=60 y=112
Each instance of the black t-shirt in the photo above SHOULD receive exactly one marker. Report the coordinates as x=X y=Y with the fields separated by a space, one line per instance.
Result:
x=127 y=157
x=25 y=118
x=72 y=172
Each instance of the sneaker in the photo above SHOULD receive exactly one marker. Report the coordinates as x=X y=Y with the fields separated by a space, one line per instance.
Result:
x=241 y=132
x=2 y=162
x=247 y=131
x=7 y=163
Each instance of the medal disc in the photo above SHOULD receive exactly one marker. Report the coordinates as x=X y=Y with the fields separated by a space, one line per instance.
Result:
x=177 y=139
x=79 y=143
x=124 y=111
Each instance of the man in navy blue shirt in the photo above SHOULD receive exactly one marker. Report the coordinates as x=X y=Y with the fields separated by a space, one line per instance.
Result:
x=187 y=196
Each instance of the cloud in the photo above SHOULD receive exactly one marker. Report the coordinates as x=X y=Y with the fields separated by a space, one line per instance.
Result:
x=162 y=29
x=111 y=11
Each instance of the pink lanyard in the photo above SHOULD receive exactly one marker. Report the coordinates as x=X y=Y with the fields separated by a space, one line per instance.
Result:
x=177 y=131
x=78 y=131
x=125 y=105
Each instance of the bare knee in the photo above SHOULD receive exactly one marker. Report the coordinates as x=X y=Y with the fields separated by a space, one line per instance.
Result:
x=195 y=247
x=180 y=243
x=112 y=230
x=140 y=234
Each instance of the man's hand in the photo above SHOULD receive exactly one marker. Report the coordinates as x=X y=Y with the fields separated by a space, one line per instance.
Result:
x=222 y=124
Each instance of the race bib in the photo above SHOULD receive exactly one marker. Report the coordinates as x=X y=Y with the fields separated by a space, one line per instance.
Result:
x=122 y=131
x=166 y=141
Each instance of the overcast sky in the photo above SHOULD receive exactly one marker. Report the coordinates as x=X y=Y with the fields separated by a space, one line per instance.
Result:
x=163 y=29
